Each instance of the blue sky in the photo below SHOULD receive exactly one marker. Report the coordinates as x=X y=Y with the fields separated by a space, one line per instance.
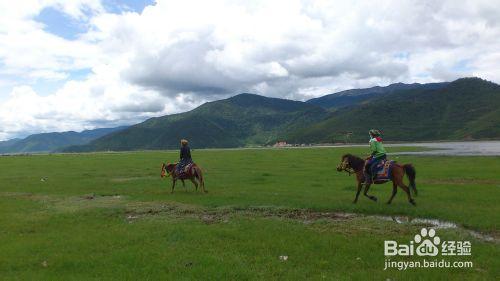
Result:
x=60 y=24
x=63 y=25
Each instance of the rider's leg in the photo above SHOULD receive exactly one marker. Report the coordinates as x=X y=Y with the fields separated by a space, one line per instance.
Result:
x=180 y=166
x=367 y=171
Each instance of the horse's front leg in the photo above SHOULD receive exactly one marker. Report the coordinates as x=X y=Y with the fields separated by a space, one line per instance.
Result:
x=173 y=184
x=359 y=179
x=357 y=193
x=367 y=187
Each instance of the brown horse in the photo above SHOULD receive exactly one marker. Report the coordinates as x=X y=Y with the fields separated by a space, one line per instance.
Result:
x=193 y=175
x=353 y=164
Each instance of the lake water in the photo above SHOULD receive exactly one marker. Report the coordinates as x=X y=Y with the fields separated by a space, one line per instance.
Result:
x=468 y=148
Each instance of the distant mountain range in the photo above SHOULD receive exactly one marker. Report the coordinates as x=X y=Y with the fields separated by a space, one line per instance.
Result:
x=50 y=142
x=465 y=109
x=242 y=120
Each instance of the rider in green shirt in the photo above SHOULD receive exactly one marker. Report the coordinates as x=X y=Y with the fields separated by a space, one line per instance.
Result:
x=377 y=154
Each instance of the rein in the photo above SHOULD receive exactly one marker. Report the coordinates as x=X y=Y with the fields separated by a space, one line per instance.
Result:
x=350 y=171
x=346 y=168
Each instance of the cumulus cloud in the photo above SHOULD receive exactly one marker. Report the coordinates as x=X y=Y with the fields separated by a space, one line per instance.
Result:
x=175 y=55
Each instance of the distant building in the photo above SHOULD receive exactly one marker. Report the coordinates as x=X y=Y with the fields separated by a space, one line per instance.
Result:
x=281 y=144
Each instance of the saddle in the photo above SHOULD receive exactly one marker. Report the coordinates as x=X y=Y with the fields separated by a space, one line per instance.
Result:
x=381 y=172
x=186 y=172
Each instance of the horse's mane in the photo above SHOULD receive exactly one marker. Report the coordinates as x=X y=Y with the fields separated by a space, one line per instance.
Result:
x=354 y=161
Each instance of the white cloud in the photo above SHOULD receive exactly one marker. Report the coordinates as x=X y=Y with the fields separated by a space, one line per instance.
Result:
x=81 y=105
x=177 y=54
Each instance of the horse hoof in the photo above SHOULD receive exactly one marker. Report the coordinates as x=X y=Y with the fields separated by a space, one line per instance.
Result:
x=355 y=201
x=389 y=203
x=374 y=198
x=413 y=202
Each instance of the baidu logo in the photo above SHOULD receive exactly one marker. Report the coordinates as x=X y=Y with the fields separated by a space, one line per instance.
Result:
x=427 y=243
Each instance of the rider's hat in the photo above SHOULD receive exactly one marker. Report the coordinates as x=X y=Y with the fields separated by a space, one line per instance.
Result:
x=184 y=142
x=375 y=133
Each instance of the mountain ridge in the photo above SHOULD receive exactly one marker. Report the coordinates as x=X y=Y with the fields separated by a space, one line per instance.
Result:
x=467 y=108
x=357 y=96
x=241 y=120
x=53 y=141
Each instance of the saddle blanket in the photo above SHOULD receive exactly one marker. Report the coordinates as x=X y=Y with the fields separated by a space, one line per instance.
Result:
x=382 y=170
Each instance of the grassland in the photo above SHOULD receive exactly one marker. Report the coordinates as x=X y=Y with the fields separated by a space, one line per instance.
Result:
x=109 y=216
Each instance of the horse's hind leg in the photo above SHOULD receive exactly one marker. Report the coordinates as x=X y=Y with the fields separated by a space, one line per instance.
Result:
x=394 y=191
x=195 y=183
x=202 y=184
x=199 y=177
x=407 y=190
x=367 y=187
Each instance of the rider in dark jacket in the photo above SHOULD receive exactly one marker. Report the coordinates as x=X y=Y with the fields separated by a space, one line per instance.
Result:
x=185 y=156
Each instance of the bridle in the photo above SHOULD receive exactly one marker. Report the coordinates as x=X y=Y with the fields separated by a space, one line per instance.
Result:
x=344 y=166
x=164 y=170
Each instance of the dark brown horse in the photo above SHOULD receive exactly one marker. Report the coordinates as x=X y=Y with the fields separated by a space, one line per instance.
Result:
x=194 y=174
x=353 y=164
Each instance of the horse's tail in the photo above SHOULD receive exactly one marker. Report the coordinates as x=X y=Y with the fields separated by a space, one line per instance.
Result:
x=411 y=173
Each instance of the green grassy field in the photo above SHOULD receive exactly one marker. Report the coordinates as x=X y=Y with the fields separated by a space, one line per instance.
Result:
x=110 y=216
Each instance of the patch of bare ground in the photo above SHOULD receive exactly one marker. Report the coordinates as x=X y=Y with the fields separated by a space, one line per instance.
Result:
x=321 y=220
x=138 y=210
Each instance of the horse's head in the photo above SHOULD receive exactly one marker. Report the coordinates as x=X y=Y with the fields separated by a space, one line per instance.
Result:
x=167 y=169
x=344 y=163
x=163 y=170
x=350 y=163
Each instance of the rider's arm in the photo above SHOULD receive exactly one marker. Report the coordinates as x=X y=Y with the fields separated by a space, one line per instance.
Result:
x=373 y=147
